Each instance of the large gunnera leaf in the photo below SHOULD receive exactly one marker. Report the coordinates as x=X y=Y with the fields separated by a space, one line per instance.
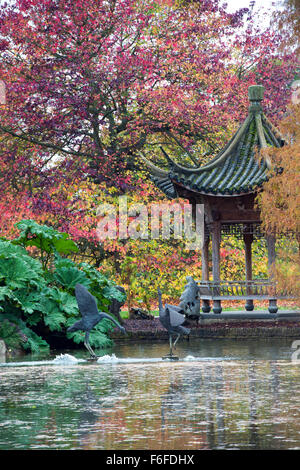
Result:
x=15 y=272
x=70 y=276
x=45 y=238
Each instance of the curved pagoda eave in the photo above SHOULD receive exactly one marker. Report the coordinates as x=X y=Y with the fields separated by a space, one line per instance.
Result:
x=178 y=187
x=235 y=171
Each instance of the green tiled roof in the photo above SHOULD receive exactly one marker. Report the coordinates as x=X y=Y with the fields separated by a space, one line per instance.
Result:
x=165 y=185
x=236 y=169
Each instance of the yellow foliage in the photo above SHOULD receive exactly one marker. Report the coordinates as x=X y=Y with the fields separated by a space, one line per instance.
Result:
x=279 y=200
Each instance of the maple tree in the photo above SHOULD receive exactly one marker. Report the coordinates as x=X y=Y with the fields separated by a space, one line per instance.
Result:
x=287 y=19
x=279 y=200
x=90 y=83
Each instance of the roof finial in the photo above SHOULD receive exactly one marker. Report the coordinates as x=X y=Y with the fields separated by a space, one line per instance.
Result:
x=256 y=95
x=256 y=92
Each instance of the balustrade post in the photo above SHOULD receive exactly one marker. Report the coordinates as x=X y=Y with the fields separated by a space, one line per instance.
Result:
x=205 y=271
x=271 y=240
x=216 y=241
x=248 y=239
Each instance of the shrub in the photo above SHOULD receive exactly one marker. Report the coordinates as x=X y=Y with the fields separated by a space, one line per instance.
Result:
x=35 y=296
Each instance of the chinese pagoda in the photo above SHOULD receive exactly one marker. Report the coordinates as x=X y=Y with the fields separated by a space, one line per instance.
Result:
x=227 y=186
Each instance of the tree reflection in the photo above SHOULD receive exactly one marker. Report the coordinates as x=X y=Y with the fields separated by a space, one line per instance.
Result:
x=208 y=404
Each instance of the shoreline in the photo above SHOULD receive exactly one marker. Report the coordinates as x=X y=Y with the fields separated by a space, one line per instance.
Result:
x=152 y=330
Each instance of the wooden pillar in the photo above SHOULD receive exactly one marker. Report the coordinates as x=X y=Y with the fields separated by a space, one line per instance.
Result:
x=205 y=271
x=248 y=239
x=205 y=260
x=216 y=240
x=271 y=240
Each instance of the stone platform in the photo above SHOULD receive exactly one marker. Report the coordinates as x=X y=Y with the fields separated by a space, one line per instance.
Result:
x=255 y=315
x=234 y=324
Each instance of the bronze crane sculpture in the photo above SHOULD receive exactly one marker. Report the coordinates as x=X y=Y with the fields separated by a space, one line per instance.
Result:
x=171 y=318
x=90 y=316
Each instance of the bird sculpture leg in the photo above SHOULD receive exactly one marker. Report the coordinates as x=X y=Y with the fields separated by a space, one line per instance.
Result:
x=171 y=349
x=178 y=336
x=88 y=346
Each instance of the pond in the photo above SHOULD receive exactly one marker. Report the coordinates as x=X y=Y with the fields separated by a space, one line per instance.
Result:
x=221 y=394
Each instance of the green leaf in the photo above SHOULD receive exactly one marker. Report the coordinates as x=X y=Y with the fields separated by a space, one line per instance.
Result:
x=97 y=278
x=76 y=336
x=98 y=339
x=70 y=276
x=34 y=265
x=29 y=301
x=43 y=237
x=111 y=292
x=54 y=319
x=64 y=245
x=6 y=292
x=10 y=334
x=53 y=316
x=15 y=272
x=66 y=302
x=8 y=249
x=34 y=342
x=63 y=262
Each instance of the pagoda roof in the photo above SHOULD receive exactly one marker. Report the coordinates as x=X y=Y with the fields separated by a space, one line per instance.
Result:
x=235 y=169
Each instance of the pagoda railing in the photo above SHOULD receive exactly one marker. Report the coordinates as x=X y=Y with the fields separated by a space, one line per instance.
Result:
x=258 y=289
x=237 y=290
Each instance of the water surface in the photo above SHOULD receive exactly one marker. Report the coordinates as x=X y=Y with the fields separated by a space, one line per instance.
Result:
x=222 y=394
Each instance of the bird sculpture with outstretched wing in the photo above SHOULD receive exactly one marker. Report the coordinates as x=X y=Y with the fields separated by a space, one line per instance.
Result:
x=190 y=299
x=172 y=319
x=90 y=316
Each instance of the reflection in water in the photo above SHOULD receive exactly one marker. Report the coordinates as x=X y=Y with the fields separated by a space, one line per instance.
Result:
x=246 y=402
x=220 y=406
x=253 y=431
x=173 y=405
x=209 y=413
x=90 y=411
